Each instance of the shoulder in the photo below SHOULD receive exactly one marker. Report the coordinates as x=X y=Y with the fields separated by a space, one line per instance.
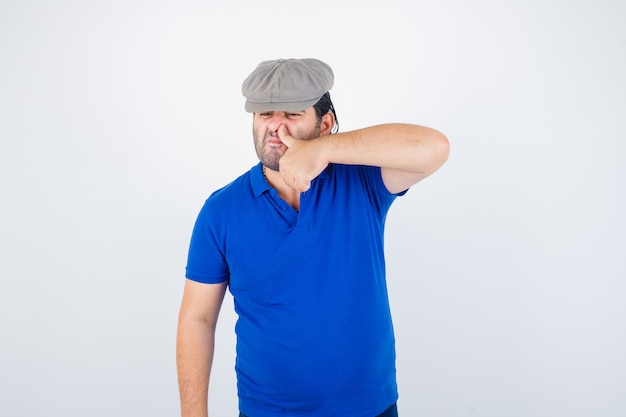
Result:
x=348 y=171
x=362 y=185
x=364 y=175
x=223 y=202
x=233 y=191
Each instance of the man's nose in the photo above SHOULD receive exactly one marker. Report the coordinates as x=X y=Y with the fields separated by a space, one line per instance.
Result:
x=276 y=120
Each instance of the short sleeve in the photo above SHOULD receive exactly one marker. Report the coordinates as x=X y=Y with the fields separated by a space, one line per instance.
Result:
x=372 y=176
x=205 y=261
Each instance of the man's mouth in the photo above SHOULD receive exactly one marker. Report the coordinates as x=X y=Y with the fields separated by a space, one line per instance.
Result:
x=273 y=140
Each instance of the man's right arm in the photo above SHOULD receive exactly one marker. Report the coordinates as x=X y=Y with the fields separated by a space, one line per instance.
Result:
x=195 y=342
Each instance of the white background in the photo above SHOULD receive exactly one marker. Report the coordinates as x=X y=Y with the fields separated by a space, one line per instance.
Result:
x=506 y=268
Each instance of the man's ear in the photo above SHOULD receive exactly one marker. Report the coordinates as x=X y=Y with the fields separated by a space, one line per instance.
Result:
x=327 y=124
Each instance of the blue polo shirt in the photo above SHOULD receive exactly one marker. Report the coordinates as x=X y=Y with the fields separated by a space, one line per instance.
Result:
x=314 y=329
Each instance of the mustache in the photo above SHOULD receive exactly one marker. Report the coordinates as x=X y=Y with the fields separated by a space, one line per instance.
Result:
x=271 y=134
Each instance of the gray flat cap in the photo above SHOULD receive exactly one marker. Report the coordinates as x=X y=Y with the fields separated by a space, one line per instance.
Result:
x=286 y=85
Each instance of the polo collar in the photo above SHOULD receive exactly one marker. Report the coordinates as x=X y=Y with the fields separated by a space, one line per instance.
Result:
x=257 y=179
x=260 y=185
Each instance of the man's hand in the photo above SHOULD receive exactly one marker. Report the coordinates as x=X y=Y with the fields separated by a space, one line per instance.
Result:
x=302 y=162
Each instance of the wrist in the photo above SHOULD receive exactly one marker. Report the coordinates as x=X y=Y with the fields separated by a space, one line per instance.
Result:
x=326 y=148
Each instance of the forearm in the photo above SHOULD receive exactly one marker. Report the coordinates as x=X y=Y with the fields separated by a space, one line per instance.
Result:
x=403 y=147
x=406 y=153
x=194 y=356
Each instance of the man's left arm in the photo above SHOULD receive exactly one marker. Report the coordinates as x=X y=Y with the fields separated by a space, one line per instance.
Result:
x=406 y=154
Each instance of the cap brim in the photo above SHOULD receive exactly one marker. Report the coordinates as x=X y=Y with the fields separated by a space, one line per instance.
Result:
x=256 y=107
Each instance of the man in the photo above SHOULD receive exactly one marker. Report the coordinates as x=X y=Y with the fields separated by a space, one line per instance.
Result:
x=298 y=240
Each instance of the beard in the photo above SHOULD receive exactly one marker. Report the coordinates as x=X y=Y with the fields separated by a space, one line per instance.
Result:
x=270 y=154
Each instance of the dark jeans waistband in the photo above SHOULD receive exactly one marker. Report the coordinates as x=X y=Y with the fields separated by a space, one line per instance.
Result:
x=392 y=411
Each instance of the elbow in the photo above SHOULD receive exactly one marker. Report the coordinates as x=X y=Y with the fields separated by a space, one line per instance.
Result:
x=437 y=151
x=443 y=148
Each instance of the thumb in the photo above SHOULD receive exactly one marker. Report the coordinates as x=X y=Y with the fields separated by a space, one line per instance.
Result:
x=284 y=136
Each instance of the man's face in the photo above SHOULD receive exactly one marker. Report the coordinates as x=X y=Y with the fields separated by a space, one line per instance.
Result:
x=302 y=125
